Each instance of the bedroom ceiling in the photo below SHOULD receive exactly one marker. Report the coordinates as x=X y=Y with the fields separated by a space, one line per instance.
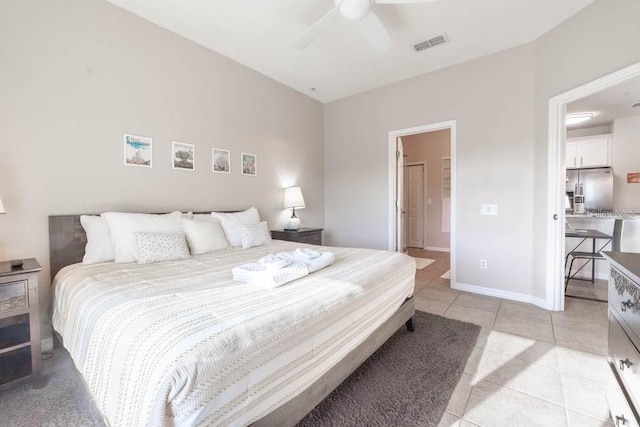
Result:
x=261 y=35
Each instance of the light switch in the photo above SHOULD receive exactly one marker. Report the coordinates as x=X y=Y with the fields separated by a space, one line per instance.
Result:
x=428 y=201
x=488 y=209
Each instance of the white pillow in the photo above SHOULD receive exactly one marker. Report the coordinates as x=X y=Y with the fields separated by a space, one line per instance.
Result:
x=206 y=217
x=231 y=221
x=157 y=247
x=99 y=247
x=204 y=236
x=122 y=226
x=254 y=235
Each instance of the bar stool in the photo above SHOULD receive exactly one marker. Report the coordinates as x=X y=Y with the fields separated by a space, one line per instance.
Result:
x=618 y=226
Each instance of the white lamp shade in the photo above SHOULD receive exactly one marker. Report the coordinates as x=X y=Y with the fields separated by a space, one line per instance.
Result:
x=293 y=198
x=1 y=207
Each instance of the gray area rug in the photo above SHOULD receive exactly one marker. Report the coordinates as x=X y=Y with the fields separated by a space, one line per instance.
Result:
x=407 y=382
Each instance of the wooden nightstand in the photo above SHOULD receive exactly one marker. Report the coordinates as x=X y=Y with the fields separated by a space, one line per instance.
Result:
x=312 y=236
x=20 y=323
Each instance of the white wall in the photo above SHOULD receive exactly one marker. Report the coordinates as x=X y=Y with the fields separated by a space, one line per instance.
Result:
x=431 y=148
x=76 y=74
x=492 y=101
x=626 y=159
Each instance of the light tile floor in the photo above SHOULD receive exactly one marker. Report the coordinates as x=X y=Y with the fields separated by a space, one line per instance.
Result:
x=585 y=289
x=529 y=367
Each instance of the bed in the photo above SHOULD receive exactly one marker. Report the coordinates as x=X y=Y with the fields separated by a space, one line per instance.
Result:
x=180 y=343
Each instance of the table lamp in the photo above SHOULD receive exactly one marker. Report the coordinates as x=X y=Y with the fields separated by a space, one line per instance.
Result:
x=293 y=199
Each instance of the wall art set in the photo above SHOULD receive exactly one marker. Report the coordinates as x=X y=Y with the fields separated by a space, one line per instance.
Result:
x=138 y=151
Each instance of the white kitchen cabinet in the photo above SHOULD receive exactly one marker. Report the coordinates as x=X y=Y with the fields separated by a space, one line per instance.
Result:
x=571 y=154
x=588 y=151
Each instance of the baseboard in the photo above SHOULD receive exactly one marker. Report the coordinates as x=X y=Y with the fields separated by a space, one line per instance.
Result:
x=498 y=293
x=540 y=303
x=436 y=249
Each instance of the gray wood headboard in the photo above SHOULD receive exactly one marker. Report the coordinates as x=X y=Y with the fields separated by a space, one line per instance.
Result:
x=67 y=240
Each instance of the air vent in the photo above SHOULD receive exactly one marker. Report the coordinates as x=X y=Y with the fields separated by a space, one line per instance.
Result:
x=435 y=41
x=637 y=104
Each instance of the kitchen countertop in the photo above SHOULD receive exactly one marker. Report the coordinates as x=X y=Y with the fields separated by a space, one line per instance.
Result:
x=602 y=215
x=628 y=262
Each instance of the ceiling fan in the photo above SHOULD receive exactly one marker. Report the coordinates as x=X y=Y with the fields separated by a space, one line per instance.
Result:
x=360 y=12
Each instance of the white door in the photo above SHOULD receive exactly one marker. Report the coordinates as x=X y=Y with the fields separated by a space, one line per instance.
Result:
x=415 y=220
x=400 y=225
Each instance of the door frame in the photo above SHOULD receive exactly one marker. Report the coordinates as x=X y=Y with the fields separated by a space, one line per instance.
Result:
x=392 y=178
x=555 y=241
x=424 y=200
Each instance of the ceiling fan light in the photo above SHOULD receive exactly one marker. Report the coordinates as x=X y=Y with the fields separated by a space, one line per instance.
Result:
x=576 y=118
x=353 y=10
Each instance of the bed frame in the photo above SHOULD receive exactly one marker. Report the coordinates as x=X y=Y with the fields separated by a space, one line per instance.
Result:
x=67 y=240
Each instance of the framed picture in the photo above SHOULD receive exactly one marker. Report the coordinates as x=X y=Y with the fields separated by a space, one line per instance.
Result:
x=138 y=150
x=633 y=178
x=221 y=162
x=183 y=156
x=249 y=164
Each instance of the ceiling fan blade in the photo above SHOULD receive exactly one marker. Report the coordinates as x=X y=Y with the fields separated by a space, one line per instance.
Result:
x=316 y=30
x=375 y=32
x=403 y=1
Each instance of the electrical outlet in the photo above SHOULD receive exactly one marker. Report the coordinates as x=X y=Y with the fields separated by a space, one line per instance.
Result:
x=483 y=264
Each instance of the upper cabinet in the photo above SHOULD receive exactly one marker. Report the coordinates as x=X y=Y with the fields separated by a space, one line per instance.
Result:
x=588 y=152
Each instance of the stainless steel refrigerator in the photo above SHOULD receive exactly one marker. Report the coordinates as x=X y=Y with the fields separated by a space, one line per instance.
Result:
x=596 y=185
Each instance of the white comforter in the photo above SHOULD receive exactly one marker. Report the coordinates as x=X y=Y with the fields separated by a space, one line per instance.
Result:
x=180 y=343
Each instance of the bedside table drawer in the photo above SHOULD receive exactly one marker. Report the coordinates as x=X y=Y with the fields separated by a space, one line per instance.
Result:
x=312 y=239
x=311 y=236
x=13 y=296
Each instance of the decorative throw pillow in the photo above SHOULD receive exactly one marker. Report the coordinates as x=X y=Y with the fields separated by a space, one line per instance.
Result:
x=231 y=221
x=122 y=226
x=99 y=247
x=158 y=247
x=204 y=235
x=254 y=234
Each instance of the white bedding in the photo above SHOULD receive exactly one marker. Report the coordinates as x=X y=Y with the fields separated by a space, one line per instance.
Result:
x=180 y=343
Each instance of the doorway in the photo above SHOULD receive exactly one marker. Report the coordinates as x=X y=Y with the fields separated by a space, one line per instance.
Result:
x=556 y=196
x=401 y=213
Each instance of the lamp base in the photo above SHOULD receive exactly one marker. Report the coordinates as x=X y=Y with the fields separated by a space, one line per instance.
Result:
x=293 y=224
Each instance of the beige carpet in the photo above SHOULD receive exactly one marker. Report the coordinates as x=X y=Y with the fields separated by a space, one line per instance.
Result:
x=422 y=262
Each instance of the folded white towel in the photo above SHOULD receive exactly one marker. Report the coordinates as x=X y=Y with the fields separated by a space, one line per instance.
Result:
x=274 y=262
x=324 y=259
x=258 y=274
x=306 y=253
